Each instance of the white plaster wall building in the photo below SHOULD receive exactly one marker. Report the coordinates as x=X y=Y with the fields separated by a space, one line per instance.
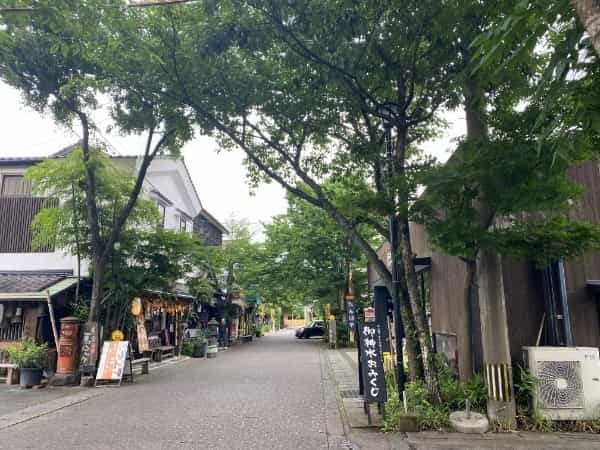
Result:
x=167 y=183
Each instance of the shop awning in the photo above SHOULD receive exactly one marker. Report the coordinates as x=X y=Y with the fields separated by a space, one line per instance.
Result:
x=165 y=295
x=30 y=286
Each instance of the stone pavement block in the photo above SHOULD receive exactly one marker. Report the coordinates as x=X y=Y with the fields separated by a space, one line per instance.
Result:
x=357 y=417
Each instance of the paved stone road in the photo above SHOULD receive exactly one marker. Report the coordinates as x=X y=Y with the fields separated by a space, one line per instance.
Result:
x=264 y=395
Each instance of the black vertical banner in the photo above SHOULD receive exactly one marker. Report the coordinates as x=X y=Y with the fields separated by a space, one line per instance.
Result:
x=351 y=315
x=372 y=362
x=381 y=310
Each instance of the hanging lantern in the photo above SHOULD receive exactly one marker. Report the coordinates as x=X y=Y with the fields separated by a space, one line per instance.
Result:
x=136 y=306
x=117 y=335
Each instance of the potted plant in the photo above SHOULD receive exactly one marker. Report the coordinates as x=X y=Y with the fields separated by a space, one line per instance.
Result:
x=200 y=346
x=29 y=357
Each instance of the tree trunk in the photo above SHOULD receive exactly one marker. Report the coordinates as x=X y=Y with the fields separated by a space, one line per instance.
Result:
x=92 y=219
x=407 y=271
x=491 y=302
x=97 y=282
x=413 y=349
x=423 y=336
x=588 y=12
x=477 y=133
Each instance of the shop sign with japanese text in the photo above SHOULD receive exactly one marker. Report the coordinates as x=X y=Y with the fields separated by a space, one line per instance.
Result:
x=351 y=315
x=89 y=347
x=372 y=362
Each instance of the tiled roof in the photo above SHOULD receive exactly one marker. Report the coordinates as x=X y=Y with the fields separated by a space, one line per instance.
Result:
x=19 y=160
x=15 y=282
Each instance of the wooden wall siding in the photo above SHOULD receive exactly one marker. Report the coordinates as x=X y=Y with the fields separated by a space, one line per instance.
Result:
x=583 y=307
x=449 y=307
x=16 y=215
x=210 y=234
x=524 y=304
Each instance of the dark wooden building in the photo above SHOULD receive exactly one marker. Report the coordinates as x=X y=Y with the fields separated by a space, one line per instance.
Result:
x=532 y=302
x=209 y=229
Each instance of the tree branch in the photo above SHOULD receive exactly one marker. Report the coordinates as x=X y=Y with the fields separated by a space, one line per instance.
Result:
x=135 y=192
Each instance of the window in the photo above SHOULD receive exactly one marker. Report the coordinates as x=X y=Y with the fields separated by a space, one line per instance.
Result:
x=162 y=211
x=182 y=224
x=15 y=186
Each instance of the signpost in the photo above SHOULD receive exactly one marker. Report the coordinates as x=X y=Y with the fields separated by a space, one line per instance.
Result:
x=350 y=309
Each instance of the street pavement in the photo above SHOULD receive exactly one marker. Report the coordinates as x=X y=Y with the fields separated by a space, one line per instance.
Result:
x=268 y=394
x=276 y=392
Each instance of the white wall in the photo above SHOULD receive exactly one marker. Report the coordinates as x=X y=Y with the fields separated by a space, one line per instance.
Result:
x=168 y=176
x=41 y=261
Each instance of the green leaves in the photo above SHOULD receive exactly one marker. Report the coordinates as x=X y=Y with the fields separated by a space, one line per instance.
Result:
x=64 y=222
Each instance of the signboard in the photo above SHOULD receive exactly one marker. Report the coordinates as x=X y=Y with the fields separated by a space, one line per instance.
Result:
x=142 y=336
x=112 y=361
x=372 y=363
x=369 y=314
x=351 y=315
x=89 y=348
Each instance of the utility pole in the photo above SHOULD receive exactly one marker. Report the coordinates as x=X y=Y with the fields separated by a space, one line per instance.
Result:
x=393 y=228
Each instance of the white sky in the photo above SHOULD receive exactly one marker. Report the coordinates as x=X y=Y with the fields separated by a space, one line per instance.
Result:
x=220 y=178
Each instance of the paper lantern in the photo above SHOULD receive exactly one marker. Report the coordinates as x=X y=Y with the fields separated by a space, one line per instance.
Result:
x=136 y=306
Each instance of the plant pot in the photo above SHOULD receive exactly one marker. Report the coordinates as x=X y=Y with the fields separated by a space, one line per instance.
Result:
x=408 y=423
x=211 y=352
x=30 y=377
x=199 y=350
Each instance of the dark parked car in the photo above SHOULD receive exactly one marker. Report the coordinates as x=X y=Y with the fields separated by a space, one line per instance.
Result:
x=315 y=328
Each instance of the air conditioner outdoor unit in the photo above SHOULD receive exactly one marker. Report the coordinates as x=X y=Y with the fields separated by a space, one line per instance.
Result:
x=568 y=381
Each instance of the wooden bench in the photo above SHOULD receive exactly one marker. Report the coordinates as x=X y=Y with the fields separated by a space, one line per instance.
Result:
x=246 y=338
x=11 y=373
x=157 y=353
x=143 y=362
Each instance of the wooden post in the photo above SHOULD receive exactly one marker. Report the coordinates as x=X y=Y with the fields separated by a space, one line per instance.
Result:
x=52 y=320
x=494 y=337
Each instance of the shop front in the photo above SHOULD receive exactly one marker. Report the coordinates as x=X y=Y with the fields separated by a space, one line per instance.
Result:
x=31 y=306
x=160 y=323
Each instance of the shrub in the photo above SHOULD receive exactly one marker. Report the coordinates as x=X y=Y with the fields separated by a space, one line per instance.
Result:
x=342 y=334
x=432 y=416
x=27 y=354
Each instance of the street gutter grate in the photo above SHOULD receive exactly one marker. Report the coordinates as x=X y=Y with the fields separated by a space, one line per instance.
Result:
x=352 y=393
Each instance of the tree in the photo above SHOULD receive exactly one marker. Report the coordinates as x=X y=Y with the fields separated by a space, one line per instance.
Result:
x=64 y=58
x=146 y=255
x=297 y=91
x=506 y=188
x=309 y=258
